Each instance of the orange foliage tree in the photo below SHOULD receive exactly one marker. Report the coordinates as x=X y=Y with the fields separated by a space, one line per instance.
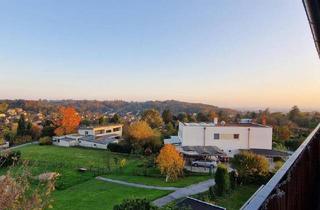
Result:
x=170 y=162
x=68 y=121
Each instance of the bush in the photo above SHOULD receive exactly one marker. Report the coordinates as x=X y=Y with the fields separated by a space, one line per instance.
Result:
x=252 y=168
x=9 y=158
x=121 y=147
x=212 y=194
x=45 y=141
x=233 y=179
x=135 y=204
x=222 y=180
x=22 y=139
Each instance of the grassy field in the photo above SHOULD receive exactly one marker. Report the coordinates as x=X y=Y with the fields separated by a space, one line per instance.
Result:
x=98 y=195
x=235 y=199
x=155 y=181
x=77 y=190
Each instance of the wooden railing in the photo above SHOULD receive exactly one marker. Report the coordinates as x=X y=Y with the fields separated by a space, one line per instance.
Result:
x=296 y=186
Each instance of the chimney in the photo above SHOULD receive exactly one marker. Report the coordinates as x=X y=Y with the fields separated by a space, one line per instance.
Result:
x=215 y=120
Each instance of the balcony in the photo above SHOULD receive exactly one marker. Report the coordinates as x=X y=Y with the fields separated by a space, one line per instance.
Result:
x=296 y=186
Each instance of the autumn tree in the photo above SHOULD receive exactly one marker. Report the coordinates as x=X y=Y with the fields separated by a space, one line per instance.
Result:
x=68 y=121
x=170 y=162
x=3 y=107
x=140 y=131
x=152 y=117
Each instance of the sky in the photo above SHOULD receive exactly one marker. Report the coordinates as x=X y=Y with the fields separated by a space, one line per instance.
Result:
x=237 y=54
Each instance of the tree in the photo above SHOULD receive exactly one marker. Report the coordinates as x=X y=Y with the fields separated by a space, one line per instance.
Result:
x=202 y=117
x=167 y=116
x=211 y=116
x=294 y=114
x=68 y=121
x=170 y=162
x=250 y=165
x=3 y=107
x=284 y=132
x=102 y=120
x=222 y=180
x=182 y=117
x=35 y=132
x=22 y=126
x=152 y=117
x=140 y=131
x=115 y=119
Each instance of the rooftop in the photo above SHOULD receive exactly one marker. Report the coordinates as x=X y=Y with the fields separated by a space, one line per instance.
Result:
x=106 y=139
x=99 y=126
x=195 y=204
x=226 y=125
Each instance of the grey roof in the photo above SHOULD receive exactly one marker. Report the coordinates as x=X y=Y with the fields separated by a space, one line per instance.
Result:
x=268 y=152
x=67 y=139
x=195 y=204
x=204 y=150
x=106 y=139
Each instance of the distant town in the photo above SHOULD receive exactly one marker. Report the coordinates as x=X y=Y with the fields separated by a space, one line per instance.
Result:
x=148 y=153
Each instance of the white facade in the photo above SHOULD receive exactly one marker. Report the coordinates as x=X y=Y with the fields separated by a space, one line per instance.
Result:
x=101 y=130
x=93 y=137
x=228 y=137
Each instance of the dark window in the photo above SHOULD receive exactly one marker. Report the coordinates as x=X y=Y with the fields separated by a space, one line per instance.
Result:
x=94 y=145
x=116 y=129
x=216 y=136
x=236 y=136
x=86 y=133
x=108 y=131
x=59 y=140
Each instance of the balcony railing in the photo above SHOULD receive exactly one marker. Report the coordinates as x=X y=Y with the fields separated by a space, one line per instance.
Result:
x=296 y=186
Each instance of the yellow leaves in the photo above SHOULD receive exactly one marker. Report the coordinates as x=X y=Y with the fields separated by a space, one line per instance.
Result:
x=140 y=131
x=170 y=162
x=123 y=163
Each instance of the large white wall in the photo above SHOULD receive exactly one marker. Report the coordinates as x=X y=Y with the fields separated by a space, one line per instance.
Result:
x=249 y=137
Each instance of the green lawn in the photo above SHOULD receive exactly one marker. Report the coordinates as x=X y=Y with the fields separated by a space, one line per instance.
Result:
x=159 y=181
x=233 y=200
x=75 y=190
x=98 y=195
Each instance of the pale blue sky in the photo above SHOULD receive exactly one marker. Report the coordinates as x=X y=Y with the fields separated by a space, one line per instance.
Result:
x=232 y=53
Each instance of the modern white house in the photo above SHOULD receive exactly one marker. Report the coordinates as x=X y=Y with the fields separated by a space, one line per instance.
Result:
x=93 y=137
x=230 y=138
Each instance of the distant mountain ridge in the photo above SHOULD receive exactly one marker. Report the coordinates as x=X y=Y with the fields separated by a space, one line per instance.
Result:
x=115 y=106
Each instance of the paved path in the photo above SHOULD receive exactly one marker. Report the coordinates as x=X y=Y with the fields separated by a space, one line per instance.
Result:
x=178 y=192
x=184 y=192
x=137 y=185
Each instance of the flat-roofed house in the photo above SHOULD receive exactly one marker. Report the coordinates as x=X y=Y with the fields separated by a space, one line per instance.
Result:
x=93 y=137
x=230 y=138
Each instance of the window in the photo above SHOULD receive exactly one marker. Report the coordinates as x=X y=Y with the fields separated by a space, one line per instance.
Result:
x=236 y=136
x=86 y=133
x=116 y=129
x=216 y=136
x=108 y=131
x=94 y=145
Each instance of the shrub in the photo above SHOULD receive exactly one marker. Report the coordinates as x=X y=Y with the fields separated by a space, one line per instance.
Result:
x=135 y=204
x=252 y=168
x=222 y=180
x=121 y=147
x=45 y=141
x=233 y=179
x=212 y=194
x=9 y=158
x=22 y=139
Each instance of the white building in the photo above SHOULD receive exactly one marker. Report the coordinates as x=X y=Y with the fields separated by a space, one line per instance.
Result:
x=230 y=138
x=93 y=137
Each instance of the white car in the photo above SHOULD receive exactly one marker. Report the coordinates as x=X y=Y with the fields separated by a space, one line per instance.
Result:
x=204 y=163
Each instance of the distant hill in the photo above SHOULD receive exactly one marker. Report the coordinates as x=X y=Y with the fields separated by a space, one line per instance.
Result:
x=120 y=107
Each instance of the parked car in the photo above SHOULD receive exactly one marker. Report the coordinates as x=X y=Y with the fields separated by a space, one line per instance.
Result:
x=204 y=163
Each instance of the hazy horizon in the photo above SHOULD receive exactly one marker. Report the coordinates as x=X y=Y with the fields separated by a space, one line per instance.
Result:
x=241 y=55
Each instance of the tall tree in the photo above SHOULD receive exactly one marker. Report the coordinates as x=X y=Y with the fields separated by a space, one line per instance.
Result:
x=115 y=119
x=22 y=126
x=202 y=117
x=152 y=117
x=167 y=116
x=68 y=121
x=294 y=114
x=211 y=116
x=170 y=162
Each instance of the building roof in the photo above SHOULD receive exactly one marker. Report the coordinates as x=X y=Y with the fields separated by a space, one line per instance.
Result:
x=312 y=8
x=106 y=139
x=195 y=204
x=98 y=126
x=202 y=124
x=202 y=150
x=268 y=152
